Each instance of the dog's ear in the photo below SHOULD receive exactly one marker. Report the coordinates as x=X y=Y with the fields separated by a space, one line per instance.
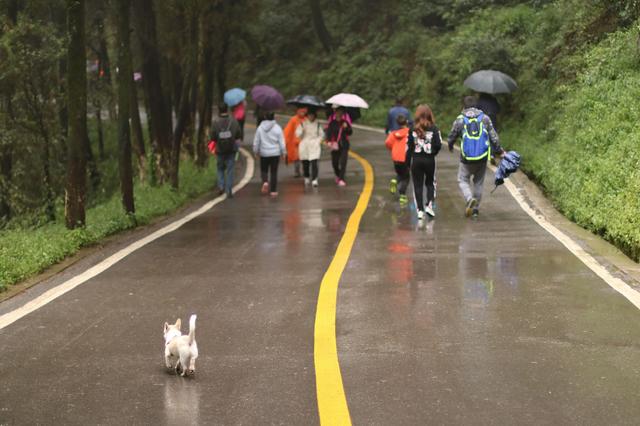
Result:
x=178 y=324
x=166 y=327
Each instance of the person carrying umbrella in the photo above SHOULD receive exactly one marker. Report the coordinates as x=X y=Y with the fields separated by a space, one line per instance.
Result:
x=338 y=133
x=292 y=141
x=479 y=141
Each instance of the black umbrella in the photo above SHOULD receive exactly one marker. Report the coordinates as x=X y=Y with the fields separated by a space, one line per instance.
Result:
x=306 y=100
x=490 y=81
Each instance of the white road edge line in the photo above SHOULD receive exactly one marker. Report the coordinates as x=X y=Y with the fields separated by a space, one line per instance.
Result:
x=631 y=294
x=59 y=290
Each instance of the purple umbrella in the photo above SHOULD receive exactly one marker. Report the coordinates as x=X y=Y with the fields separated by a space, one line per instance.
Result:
x=267 y=97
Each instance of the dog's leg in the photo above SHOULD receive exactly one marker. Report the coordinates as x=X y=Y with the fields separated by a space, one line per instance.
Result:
x=167 y=358
x=194 y=355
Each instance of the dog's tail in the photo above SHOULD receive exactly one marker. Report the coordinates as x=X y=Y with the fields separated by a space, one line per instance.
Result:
x=192 y=328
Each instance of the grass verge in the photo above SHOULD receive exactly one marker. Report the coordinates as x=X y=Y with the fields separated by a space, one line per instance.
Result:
x=27 y=252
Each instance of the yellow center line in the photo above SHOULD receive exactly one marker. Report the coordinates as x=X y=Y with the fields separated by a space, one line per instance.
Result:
x=332 y=402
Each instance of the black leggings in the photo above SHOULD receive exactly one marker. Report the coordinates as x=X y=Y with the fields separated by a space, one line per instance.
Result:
x=314 y=168
x=269 y=165
x=339 y=162
x=404 y=176
x=423 y=171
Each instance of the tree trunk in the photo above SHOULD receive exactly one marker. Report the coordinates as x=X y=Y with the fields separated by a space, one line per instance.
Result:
x=205 y=100
x=98 y=112
x=158 y=111
x=124 y=103
x=319 y=26
x=138 y=136
x=221 y=72
x=75 y=191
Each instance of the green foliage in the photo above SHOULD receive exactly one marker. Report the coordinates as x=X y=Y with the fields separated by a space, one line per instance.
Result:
x=25 y=252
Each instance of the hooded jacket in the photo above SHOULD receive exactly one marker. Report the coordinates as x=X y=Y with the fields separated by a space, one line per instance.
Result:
x=397 y=143
x=269 y=140
x=458 y=127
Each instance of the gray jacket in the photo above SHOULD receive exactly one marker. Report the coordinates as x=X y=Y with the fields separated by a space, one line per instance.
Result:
x=269 y=140
x=458 y=127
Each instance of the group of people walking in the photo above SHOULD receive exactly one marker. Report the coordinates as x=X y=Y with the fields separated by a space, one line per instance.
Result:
x=414 y=149
x=414 y=141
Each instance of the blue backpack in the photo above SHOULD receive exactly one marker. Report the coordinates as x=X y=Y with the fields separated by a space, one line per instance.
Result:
x=475 y=139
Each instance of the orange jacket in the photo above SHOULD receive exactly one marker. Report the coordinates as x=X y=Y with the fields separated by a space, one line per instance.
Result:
x=397 y=143
x=290 y=138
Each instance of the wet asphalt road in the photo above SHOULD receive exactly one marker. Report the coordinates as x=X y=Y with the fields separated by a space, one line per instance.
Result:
x=454 y=322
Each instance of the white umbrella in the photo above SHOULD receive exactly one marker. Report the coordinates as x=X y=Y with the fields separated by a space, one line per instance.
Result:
x=348 y=100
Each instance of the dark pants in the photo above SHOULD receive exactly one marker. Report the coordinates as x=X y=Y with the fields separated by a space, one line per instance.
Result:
x=339 y=162
x=404 y=176
x=269 y=171
x=225 y=163
x=241 y=123
x=423 y=171
x=314 y=168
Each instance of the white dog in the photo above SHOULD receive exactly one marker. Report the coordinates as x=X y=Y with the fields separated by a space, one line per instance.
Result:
x=183 y=349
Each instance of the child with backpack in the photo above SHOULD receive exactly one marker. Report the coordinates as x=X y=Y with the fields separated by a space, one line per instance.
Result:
x=479 y=141
x=397 y=143
x=423 y=145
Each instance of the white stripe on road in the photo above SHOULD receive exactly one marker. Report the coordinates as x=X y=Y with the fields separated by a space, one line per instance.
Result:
x=59 y=290
x=631 y=294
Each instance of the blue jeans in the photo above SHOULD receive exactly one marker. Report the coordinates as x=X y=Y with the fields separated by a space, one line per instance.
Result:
x=226 y=163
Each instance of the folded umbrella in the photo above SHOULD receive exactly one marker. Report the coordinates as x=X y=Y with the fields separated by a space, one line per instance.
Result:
x=233 y=97
x=267 y=97
x=490 y=81
x=509 y=164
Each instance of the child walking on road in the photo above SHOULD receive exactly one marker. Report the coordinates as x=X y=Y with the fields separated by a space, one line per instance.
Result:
x=423 y=145
x=268 y=143
x=311 y=135
x=397 y=143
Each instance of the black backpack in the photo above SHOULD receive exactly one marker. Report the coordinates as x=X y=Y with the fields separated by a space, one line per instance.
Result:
x=225 y=143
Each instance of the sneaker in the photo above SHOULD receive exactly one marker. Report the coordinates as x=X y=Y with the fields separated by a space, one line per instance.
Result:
x=342 y=183
x=274 y=194
x=337 y=180
x=393 y=186
x=307 y=181
x=220 y=191
x=420 y=215
x=230 y=194
x=404 y=199
x=314 y=183
x=475 y=214
x=430 y=211
x=471 y=204
x=265 y=187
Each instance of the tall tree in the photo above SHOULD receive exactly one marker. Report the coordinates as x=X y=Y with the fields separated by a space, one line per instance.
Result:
x=124 y=103
x=319 y=26
x=136 y=131
x=75 y=191
x=159 y=112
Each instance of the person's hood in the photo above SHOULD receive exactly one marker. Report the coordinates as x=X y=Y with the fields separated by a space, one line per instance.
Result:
x=267 y=125
x=400 y=133
x=471 y=112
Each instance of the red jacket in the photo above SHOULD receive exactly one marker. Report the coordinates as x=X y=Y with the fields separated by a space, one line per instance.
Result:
x=397 y=143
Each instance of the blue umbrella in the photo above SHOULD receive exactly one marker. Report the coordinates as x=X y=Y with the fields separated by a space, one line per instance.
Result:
x=234 y=96
x=509 y=164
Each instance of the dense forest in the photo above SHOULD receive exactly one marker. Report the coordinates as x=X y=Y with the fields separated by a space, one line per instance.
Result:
x=105 y=105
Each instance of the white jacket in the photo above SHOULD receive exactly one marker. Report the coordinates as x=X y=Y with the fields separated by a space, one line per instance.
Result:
x=311 y=135
x=269 y=140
